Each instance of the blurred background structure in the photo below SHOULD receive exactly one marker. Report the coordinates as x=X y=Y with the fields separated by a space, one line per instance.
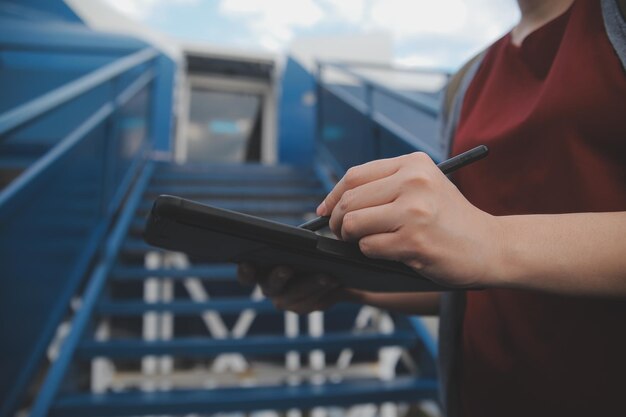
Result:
x=99 y=114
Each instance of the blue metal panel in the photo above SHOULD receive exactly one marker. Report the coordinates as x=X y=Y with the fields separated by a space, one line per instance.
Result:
x=237 y=399
x=61 y=37
x=30 y=111
x=39 y=10
x=296 y=115
x=371 y=121
x=346 y=133
x=54 y=61
x=417 y=127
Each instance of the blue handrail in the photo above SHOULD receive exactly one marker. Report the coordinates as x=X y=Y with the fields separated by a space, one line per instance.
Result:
x=388 y=67
x=418 y=104
x=373 y=142
x=38 y=107
x=118 y=177
x=10 y=195
x=96 y=282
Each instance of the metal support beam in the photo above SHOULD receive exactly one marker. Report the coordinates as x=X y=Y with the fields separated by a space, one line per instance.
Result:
x=255 y=345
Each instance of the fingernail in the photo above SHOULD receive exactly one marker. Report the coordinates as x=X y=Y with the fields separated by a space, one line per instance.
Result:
x=321 y=209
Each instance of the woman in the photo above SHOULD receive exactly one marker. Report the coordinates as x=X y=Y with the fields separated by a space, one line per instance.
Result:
x=541 y=223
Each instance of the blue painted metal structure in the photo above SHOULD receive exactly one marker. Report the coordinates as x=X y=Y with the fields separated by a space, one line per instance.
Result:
x=80 y=114
x=366 y=121
x=296 y=115
x=75 y=129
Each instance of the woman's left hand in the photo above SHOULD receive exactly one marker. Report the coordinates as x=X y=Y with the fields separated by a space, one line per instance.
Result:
x=405 y=209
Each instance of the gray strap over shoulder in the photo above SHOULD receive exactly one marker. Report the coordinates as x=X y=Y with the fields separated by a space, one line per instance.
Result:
x=453 y=101
x=614 y=13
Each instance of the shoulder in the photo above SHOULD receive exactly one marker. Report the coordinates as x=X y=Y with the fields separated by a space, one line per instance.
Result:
x=614 y=14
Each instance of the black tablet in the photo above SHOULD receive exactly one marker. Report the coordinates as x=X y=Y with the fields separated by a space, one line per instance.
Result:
x=212 y=234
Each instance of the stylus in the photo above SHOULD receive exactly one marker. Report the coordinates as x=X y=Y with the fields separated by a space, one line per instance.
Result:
x=447 y=167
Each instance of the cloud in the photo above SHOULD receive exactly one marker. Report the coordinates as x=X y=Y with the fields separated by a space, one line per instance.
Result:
x=409 y=19
x=480 y=20
x=274 y=21
x=142 y=9
x=350 y=11
x=424 y=31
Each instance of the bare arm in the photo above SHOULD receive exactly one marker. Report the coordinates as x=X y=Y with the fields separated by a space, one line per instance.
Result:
x=422 y=304
x=579 y=254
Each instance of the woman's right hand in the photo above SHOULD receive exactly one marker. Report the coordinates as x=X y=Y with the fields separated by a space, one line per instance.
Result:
x=300 y=294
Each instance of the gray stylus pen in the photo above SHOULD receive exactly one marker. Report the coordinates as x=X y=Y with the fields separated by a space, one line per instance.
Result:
x=447 y=167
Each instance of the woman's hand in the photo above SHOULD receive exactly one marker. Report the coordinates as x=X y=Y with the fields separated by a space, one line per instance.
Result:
x=297 y=293
x=405 y=209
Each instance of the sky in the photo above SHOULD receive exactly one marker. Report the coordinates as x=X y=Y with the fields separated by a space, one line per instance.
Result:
x=426 y=33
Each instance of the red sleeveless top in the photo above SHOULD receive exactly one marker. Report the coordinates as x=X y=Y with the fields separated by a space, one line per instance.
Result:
x=553 y=113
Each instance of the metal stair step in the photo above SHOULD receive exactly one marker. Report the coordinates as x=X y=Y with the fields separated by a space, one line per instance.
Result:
x=232 y=169
x=255 y=345
x=210 y=175
x=237 y=182
x=257 y=207
x=214 y=272
x=245 y=191
x=223 y=306
x=139 y=223
x=177 y=402
x=184 y=307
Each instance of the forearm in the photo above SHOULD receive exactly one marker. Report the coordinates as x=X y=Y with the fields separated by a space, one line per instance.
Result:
x=423 y=304
x=575 y=254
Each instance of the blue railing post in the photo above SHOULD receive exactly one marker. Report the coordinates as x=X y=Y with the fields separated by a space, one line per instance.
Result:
x=162 y=103
x=380 y=133
x=370 y=113
x=319 y=117
x=109 y=151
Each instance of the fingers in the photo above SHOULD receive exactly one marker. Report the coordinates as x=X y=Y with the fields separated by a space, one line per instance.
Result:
x=356 y=176
x=276 y=280
x=368 y=221
x=299 y=290
x=318 y=299
x=246 y=274
x=375 y=193
x=382 y=246
x=323 y=302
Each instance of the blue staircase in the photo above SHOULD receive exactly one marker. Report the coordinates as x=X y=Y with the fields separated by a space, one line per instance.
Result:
x=95 y=322
x=117 y=294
